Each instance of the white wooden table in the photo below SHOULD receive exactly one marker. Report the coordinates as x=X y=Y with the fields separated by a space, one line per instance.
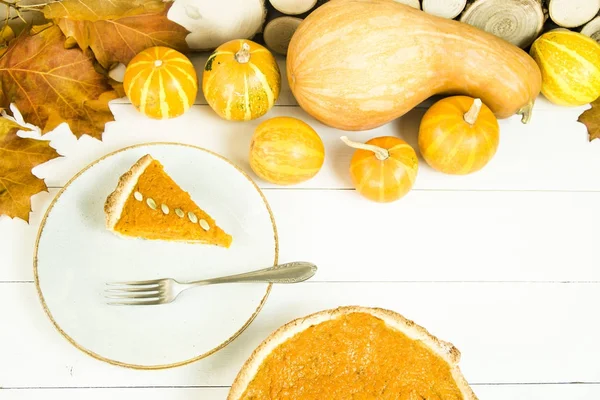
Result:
x=504 y=263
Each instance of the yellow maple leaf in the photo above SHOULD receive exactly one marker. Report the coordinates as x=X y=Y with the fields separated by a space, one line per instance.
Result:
x=96 y=10
x=17 y=158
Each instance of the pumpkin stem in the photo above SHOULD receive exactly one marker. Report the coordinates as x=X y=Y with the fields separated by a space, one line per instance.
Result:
x=243 y=55
x=381 y=153
x=473 y=113
x=525 y=112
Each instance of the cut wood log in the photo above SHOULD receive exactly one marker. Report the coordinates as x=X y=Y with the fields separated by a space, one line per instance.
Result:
x=278 y=33
x=573 y=13
x=293 y=7
x=517 y=21
x=273 y=13
x=444 y=8
x=412 y=3
x=592 y=29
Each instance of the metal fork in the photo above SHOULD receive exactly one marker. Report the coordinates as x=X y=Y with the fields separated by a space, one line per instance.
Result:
x=163 y=291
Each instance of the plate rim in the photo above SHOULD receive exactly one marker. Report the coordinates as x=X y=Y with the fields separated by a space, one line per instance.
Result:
x=157 y=366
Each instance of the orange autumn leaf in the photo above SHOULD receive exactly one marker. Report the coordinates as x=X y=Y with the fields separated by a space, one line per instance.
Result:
x=50 y=84
x=6 y=35
x=119 y=40
x=591 y=119
x=96 y=10
x=17 y=157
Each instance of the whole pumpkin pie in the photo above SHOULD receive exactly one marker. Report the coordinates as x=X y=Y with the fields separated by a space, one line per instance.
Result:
x=352 y=353
x=147 y=203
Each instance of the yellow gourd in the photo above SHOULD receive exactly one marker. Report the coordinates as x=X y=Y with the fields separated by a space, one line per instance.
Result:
x=570 y=65
x=241 y=80
x=286 y=151
x=458 y=135
x=160 y=82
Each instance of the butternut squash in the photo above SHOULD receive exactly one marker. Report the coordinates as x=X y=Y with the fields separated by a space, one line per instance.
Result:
x=358 y=64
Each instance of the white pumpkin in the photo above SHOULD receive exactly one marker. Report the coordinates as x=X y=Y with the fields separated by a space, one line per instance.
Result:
x=214 y=22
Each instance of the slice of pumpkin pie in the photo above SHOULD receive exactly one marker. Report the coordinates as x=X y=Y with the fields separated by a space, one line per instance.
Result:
x=147 y=203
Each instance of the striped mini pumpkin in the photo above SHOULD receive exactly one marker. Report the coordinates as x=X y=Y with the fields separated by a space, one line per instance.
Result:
x=161 y=82
x=241 y=80
x=383 y=169
x=458 y=135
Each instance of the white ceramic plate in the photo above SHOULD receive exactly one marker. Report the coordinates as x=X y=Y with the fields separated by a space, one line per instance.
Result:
x=76 y=256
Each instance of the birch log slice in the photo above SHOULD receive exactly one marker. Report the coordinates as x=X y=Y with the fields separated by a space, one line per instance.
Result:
x=293 y=7
x=444 y=8
x=592 y=29
x=573 y=13
x=412 y=3
x=278 y=33
x=516 y=21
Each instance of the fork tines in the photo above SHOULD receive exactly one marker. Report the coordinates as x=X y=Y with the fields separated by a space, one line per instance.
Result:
x=133 y=293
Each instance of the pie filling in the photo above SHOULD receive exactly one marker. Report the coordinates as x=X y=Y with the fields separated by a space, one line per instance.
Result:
x=356 y=356
x=157 y=208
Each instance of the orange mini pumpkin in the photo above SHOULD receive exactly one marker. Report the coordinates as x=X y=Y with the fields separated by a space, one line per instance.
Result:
x=241 y=80
x=458 y=135
x=161 y=82
x=384 y=169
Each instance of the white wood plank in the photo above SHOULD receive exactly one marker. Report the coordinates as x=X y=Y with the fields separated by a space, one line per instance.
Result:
x=118 y=394
x=442 y=236
x=538 y=392
x=17 y=241
x=428 y=236
x=551 y=153
x=512 y=392
x=507 y=333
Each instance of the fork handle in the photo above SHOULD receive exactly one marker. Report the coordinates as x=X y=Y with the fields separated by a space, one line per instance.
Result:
x=292 y=272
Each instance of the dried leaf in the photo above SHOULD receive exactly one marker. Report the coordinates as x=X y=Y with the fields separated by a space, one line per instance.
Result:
x=591 y=119
x=119 y=40
x=6 y=35
x=96 y=10
x=17 y=158
x=119 y=89
x=51 y=85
